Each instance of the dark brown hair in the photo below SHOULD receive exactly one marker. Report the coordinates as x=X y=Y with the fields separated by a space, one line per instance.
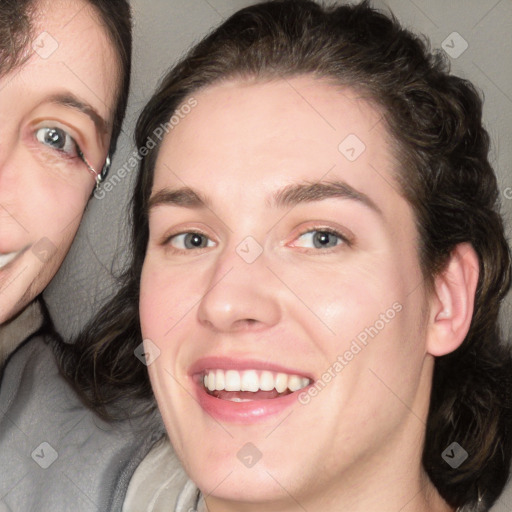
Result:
x=435 y=120
x=16 y=24
x=14 y=33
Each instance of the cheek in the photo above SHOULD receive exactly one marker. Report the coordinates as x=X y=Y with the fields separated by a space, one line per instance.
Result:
x=364 y=309
x=54 y=208
x=159 y=298
x=160 y=310
x=347 y=299
x=382 y=343
x=150 y=303
x=168 y=295
x=53 y=226
x=56 y=241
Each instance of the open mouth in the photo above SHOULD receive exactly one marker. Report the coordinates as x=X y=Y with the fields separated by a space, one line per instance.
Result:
x=250 y=385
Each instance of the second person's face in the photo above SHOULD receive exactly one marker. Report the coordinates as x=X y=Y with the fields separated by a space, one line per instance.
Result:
x=282 y=294
x=59 y=102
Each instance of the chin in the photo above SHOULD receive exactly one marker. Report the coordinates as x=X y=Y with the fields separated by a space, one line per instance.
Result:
x=239 y=484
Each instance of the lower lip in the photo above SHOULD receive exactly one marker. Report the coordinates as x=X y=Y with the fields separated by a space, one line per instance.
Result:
x=244 y=412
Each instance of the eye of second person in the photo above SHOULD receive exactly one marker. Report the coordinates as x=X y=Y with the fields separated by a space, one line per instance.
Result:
x=57 y=139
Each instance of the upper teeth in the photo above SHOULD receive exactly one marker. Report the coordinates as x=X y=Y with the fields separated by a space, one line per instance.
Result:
x=252 y=380
x=5 y=259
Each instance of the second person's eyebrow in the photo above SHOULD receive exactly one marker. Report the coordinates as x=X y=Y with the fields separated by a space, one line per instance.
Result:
x=287 y=197
x=71 y=101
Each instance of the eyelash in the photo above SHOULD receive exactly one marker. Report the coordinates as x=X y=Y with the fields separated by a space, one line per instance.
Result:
x=344 y=240
x=167 y=241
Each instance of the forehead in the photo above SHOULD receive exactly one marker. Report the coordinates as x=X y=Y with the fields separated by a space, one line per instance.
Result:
x=269 y=135
x=70 y=50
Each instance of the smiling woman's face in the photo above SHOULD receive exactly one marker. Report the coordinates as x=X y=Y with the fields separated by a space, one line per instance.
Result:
x=282 y=254
x=57 y=104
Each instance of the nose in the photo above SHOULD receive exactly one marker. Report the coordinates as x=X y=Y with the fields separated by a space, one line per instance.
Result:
x=240 y=296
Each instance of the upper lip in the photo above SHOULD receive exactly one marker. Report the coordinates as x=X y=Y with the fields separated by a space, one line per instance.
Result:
x=230 y=363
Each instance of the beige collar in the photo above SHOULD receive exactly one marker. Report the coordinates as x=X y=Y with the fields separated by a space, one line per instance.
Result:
x=18 y=329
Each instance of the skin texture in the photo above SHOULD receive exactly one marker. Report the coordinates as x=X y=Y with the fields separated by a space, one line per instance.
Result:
x=43 y=192
x=359 y=441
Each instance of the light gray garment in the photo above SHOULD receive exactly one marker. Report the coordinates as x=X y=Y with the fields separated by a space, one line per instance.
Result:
x=160 y=484
x=56 y=455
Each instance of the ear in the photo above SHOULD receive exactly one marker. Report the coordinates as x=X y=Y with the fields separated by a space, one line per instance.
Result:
x=452 y=302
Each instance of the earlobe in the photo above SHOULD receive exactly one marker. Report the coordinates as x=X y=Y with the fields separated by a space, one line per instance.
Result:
x=452 y=302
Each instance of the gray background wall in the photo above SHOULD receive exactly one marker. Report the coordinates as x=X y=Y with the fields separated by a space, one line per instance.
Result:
x=165 y=29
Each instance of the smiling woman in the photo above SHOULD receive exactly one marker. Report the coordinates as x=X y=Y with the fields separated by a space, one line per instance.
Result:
x=332 y=184
x=56 y=141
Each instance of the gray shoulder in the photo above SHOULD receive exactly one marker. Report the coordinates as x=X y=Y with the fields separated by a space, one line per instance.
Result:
x=55 y=454
x=504 y=502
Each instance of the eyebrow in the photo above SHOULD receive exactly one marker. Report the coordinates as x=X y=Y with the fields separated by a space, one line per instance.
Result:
x=184 y=197
x=298 y=193
x=289 y=196
x=71 y=101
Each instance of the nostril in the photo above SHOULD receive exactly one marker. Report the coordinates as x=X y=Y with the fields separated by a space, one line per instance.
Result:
x=245 y=323
x=208 y=324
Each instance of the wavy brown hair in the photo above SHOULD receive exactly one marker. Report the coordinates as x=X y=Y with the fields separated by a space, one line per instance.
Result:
x=435 y=121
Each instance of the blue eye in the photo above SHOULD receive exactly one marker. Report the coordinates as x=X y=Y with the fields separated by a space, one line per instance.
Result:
x=58 y=139
x=318 y=239
x=191 y=240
